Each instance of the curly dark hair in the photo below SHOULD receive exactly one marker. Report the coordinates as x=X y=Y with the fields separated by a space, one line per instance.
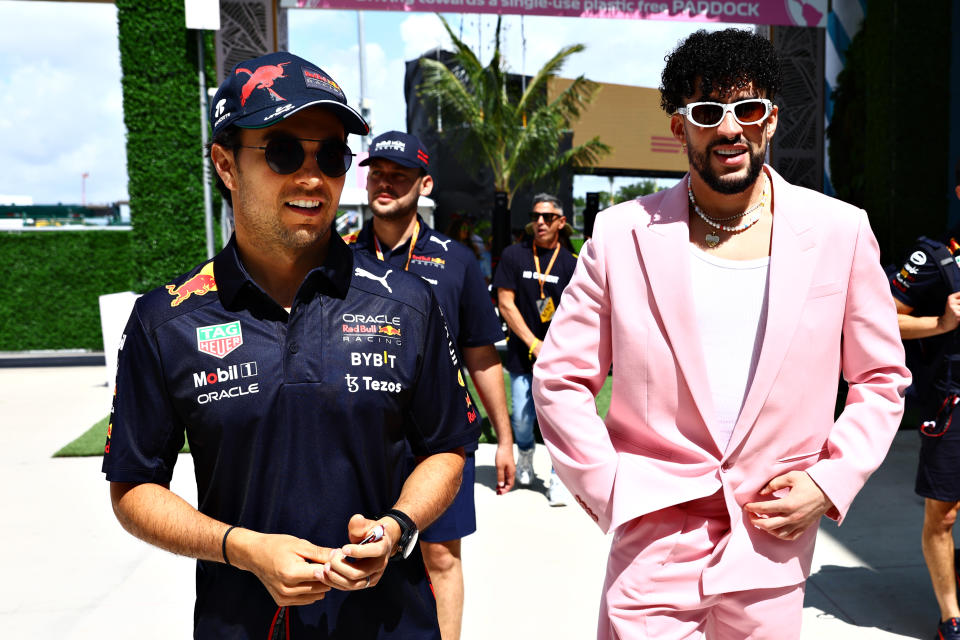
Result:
x=723 y=61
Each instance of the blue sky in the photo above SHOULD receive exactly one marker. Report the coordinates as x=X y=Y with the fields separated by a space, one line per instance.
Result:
x=61 y=107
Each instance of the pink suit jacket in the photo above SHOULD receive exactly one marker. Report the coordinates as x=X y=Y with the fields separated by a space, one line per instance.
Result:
x=830 y=312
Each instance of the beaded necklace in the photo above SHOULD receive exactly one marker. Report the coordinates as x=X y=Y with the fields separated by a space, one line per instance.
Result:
x=712 y=239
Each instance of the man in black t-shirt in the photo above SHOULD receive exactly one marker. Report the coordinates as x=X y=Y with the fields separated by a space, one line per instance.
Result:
x=530 y=278
x=302 y=373
x=929 y=308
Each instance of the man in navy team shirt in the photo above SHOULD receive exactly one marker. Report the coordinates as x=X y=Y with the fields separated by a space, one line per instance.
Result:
x=398 y=175
x=302 y=374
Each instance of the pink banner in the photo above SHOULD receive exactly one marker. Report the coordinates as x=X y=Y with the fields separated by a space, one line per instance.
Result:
x=801 y=13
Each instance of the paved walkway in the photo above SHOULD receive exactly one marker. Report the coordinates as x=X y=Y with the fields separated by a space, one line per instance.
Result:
x=532 y=571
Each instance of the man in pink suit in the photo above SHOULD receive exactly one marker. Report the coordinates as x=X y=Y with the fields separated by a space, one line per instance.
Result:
x=728 y=306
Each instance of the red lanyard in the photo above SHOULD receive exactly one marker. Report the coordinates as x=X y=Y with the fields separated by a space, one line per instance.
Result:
x=413 y=241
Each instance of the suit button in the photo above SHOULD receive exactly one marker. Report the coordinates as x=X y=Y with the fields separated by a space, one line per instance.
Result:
x=726 y=466
x=294 y=347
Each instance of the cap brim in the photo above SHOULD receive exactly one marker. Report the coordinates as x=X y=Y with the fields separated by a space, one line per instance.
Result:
x=403 y=162
x=352 y=121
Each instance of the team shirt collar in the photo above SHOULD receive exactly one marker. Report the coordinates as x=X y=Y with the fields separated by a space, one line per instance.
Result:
x=365 y=238
x=237 y=289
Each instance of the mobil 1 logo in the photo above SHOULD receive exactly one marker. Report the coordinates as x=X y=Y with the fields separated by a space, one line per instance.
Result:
x=220 y=378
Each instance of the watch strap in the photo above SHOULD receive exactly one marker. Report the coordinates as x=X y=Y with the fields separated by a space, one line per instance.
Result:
x=408 y=529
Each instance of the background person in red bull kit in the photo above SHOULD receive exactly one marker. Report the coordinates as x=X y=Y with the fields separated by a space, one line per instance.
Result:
x=397 y=177
x=302 y=374
x=927 y=293
x=530 y=278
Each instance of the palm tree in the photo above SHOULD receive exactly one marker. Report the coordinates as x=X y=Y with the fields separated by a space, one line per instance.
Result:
x=513 y=131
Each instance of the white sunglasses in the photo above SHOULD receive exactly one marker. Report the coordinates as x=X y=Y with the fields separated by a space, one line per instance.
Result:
x=710 y=114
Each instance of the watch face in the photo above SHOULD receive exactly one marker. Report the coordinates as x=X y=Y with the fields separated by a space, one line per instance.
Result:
x=411 y=544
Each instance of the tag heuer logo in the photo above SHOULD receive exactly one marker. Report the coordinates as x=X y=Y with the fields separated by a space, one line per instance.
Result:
x=219 y=339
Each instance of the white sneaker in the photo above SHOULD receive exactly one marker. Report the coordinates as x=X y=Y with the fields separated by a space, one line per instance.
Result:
x=557 y=494
x=525 y=468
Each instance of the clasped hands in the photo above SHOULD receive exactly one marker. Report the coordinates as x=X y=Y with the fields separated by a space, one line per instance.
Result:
x=298 y=572
x=798 y=504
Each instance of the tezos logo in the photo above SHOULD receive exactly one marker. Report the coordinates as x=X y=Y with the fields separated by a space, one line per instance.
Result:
x=219 y=110
x=369 y=384
x=918 y=258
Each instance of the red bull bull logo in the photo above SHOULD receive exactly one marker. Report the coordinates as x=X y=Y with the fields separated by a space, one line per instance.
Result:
x=389 y=330
x=262 y=78
x=199 y=285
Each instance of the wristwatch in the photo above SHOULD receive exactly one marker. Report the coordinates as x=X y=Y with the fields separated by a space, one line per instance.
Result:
x=409 y=534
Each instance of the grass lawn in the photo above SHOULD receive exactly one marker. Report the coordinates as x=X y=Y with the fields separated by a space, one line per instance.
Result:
x=91 y=442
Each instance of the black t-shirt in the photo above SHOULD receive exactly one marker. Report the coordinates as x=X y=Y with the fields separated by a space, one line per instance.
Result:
x=295 y=422
x=517 y=271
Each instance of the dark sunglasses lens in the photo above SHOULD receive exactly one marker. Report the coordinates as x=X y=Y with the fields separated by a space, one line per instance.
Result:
x=547 y=217
x=750 y=111
x=334 y=158
x=284 y=156
x=707 y=114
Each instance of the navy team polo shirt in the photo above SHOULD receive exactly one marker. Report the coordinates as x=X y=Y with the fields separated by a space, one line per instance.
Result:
x=453 y=271
x=294 y=422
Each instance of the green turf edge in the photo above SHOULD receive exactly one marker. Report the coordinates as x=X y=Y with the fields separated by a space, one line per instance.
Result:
x=91 y=442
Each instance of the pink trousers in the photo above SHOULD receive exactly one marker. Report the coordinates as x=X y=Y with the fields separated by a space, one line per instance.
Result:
x=652 y=588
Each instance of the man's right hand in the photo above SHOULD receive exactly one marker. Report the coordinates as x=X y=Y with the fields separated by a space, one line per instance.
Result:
x=536 y=349
x=283 y=563
x=951 y=313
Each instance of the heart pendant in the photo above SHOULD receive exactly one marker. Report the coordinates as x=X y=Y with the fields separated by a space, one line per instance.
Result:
x=712 y=240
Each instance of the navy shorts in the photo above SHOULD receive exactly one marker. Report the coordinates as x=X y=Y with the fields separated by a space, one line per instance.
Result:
x=938 y=474
x=460 y=518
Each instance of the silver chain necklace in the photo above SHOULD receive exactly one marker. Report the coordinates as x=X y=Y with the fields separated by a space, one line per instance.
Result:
x=712 y=239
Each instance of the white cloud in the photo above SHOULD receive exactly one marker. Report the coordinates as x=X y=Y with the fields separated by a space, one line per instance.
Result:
x=422 y=32
x=61 y=108
x=60 y=102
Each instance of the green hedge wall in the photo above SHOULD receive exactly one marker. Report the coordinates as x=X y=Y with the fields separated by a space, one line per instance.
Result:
x=161 y=111
x=52 y=280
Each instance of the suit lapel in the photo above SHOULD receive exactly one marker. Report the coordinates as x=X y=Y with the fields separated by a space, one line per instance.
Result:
x=664 y=250
x=791 y=268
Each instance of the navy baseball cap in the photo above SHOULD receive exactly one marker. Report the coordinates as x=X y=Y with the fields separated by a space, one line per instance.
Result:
x=403 y=148
x=265 y=90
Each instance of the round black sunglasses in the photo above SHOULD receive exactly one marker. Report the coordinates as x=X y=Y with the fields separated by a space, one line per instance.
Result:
x=286 y=155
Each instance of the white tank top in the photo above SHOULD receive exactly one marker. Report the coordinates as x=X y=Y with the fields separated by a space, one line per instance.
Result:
x=730 y=303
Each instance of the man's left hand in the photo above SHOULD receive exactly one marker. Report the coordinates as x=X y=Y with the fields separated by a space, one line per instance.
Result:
x=359 y=566
x=506 y=468
x=801 y=506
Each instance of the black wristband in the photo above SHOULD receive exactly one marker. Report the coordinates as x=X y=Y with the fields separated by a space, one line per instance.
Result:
x=223 y=545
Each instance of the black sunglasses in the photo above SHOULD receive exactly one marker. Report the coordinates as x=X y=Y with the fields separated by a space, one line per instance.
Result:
x=286 y=155
x=549 y=218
